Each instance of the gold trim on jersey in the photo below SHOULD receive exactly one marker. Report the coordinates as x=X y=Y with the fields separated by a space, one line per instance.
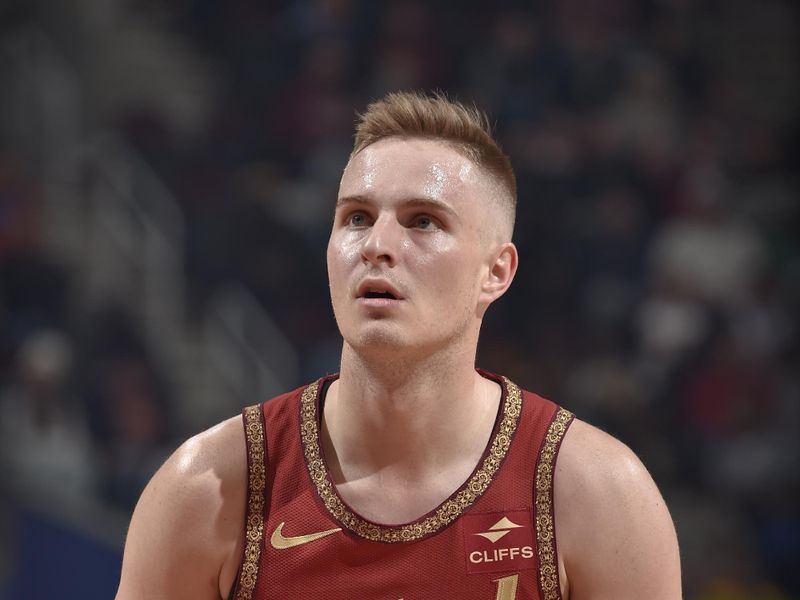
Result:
x=545 y=530
x=254 y=430
x=450 y=510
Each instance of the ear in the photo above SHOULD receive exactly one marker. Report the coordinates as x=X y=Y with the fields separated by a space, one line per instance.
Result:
x=501 y=273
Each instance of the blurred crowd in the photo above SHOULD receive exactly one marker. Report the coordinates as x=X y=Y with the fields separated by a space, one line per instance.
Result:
x=655 y=145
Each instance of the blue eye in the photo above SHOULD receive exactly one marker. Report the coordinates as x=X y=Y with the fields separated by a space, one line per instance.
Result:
x=357 y=219
x=424 y=222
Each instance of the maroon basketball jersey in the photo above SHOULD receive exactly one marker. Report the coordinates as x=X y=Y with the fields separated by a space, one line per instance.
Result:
x=493 y=539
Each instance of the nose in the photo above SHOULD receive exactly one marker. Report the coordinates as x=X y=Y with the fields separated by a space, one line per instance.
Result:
x=381 y=244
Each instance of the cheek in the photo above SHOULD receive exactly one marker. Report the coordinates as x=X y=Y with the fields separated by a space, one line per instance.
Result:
x=434 y=251
x=343 y=256
x=343 y=251
x=347 y=249
x=334 y=268
x=450 y=266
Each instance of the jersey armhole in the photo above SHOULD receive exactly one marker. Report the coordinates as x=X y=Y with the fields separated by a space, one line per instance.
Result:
x=549 y=584
x=255 y=437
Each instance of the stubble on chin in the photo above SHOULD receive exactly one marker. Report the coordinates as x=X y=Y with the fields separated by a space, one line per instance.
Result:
x=376 y=338
x=383 y=343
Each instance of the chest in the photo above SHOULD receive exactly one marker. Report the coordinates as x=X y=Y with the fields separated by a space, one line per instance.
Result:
x=493 y=538
x=384 y=498
x=489 y=551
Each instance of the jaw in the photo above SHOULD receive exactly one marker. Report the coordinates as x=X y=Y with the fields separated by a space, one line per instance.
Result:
x=378 y=335
x=393 y=342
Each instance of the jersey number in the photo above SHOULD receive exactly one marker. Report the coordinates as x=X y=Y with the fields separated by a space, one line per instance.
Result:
x=506 y=587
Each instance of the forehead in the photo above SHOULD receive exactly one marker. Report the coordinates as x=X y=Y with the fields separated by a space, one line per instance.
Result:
x=411 y=168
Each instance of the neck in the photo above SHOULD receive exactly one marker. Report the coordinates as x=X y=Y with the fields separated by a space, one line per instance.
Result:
x=394 y=381
x=410 y=416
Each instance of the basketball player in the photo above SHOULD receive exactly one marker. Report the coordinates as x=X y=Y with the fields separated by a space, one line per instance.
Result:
x=410 y=474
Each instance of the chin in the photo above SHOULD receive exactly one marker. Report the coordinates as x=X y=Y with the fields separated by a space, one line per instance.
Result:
x=377 y=336
x=396 y=346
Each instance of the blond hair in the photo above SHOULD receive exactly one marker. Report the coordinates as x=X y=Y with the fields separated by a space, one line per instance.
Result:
x=435 y=116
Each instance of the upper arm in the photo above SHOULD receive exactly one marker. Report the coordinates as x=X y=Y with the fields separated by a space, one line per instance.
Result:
x=615 y=535
x=186 y=532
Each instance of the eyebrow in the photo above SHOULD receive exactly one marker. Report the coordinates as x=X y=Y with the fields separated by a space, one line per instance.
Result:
x=428 y=203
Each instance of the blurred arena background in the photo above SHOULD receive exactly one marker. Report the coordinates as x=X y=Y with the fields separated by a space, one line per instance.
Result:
x=167 y=178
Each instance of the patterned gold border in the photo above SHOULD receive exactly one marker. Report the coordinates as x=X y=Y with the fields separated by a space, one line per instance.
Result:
x=545 y=530
x=254 y=430
x=446 y=513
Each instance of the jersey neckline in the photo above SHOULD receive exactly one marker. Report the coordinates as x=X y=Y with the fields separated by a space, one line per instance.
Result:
x=449 y=510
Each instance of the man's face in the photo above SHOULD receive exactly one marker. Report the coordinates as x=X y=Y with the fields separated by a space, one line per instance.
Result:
x=409 y=248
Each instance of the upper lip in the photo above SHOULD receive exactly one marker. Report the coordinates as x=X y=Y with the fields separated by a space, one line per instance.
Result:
x=377 y=285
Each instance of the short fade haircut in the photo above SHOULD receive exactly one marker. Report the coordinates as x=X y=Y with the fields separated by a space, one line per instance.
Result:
x=437 y=117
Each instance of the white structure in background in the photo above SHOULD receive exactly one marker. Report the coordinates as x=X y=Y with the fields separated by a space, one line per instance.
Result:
x=109 y=218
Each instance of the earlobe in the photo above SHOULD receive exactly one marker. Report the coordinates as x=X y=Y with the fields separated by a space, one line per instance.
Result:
x=501 y=272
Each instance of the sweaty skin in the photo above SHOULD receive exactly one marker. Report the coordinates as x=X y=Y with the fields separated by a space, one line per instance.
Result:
x=413 y=221
x=419 y=249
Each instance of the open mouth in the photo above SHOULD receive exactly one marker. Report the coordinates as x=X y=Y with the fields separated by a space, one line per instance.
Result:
x=377 y=294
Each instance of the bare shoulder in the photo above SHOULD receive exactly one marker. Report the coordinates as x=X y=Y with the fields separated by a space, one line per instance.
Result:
x=615 y=536
x=186 y=532
x=590 y=457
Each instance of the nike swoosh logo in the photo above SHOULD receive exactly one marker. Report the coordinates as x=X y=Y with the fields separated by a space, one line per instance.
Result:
x=281 y=542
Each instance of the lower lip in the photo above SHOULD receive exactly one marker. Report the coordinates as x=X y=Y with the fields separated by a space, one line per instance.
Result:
x=378 y=302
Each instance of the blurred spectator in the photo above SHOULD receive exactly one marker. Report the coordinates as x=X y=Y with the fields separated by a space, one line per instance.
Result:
x=655 y=146
x=707 y=251
x=128 y=406
x=19 y=209
x=46 y=447
x=134 y=443
x=728 y=394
